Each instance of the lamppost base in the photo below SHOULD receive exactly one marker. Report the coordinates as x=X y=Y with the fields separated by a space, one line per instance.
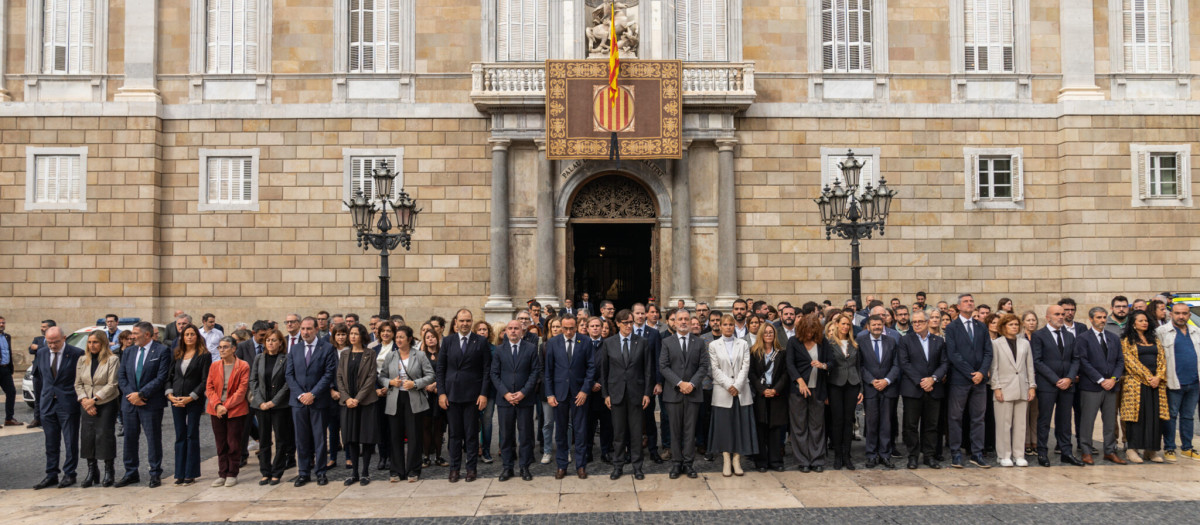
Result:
x=499 y=309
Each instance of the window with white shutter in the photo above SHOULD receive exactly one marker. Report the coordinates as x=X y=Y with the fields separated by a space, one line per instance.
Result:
x=232 y=36
x=994 y=178
x=68 y=36
x=1146 y=31
x=846 y=37
x=374 y=32
x=522 y=30
x=1161 y=175
x=228 y=180
x=358 y=167
x=988 y=36
x=701 y=30
x=56 y=178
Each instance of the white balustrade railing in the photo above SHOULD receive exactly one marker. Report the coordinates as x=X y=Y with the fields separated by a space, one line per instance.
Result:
x=529 y=79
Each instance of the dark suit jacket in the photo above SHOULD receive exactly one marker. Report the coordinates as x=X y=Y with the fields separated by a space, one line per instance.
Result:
x=316 y=377
x=55 y=392
x=967 y=356
x=691 y=368
x=654 y=342
x=624 y=379
x=1098 y=362
x=770 y=411
x=461 y=372
x=40 y=341
x=873 y=368
x=844 y=370
x=564 y=378
x=155 y=370
x=914 y=367
x=246 y=351
x=190 y=382
x=1050 y=364
x=172 y=334
x=261 y=379
x=799 y=365
x=516 y=373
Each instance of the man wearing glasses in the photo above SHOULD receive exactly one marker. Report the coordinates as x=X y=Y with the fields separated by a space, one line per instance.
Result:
x=923 y=368
x=627 y=384
x=292 y=324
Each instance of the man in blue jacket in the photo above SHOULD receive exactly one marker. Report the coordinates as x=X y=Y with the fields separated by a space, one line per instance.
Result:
x=515 y=369
x=143 y=381
x=1101 y=365
x=970 y=352
x=54 y=381
x=570 y=373
x=310 y=372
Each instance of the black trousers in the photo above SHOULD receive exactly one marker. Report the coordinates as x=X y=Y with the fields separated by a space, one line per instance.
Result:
x=627 y=421
x=967 y=402
x=1057 y=404
x=463 y=422
x=275 y=430
x=921 y=424
x=250 y=430
x=599 y=419
x=406 y=430
x=97 y=434
x=842 y=401
x=333 y=439
x=770 y=446
x=10 y=390
x=515 y=421
x=385 y=431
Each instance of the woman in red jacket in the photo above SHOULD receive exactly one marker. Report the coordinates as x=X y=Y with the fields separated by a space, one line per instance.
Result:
x=228 y=382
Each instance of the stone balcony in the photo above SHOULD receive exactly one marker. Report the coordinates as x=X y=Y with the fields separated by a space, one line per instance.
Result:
x=521 y=86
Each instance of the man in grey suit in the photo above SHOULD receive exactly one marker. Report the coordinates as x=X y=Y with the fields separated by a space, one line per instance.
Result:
x=1101 y=366
x=515 y=370
x=880 y=374
x=684 y=364
x=627 y=383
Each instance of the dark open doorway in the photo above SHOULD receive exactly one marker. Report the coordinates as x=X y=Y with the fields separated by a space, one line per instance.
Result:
x=613 y=261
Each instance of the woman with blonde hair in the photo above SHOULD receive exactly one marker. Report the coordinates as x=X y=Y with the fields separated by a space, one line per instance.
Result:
x=96 y=388
x=845 y=387
x=769 y=379
x=732 y=432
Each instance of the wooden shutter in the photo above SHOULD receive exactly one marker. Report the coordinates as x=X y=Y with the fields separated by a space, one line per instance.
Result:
x=1146 y=28
x=988 y=36
x=828 y=44
x=522 y=30
x=503 y=31
x=232 y=36
x=846 y=36
x=57 y=179
x=69 y=36
x=392 y=41
x=1018 y=178
x=230 y=180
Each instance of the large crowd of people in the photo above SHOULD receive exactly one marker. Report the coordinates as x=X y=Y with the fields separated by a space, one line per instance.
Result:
x=759 y=386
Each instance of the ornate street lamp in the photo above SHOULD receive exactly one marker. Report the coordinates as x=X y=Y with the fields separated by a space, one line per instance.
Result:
x=853 y=216
x=363 y=210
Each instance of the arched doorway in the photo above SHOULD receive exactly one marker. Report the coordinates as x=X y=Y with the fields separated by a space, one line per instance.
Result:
x=612 y=240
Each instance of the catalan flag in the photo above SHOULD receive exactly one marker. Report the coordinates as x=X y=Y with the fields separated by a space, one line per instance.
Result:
x=614 y=70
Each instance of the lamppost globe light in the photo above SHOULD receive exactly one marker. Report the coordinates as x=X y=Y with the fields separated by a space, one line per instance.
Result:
x=384 y=179
x=851 y=169
x=837 y=201
x=362 y=211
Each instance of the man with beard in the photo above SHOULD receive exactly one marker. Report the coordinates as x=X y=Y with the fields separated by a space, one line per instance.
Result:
x=920 y=301
x=739 y=316
x=1120 y=314
x=901 y=320
x=787 y=322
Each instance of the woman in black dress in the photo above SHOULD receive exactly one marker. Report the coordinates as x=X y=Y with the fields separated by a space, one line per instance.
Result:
x=435 y=419
x=357 y=378
x=1144 y=391
x=769 y=379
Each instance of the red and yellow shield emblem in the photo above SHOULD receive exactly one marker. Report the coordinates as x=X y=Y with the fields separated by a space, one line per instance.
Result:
x=608 y=117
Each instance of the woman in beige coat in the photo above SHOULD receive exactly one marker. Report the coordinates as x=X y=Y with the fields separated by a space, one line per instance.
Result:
x=96 y=388
x=732 y=432
x=1013 y=386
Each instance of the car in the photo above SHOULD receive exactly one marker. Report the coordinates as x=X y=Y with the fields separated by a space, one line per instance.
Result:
x=78 y=339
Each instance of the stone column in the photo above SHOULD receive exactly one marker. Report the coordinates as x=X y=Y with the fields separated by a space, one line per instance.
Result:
x=547 y=261
x=499 y=307
x=4 y=97
x=1077 y=35
x=141 y=45
x=681 y=233
x=727 y=288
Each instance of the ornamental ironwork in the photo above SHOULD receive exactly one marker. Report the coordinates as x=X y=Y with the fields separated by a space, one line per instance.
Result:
x=613 y=197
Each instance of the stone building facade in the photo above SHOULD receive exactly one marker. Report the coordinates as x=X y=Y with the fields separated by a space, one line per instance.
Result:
x=195 y=154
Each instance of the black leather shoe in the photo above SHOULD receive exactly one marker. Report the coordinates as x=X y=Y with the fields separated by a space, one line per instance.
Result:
x=871 y=462
x=805 y=469
x=67 y=481
x=1043 y=461
x=818 y=469
x=912 y=463
x=849 y=464
x=709 y=457
x=471 y=476
x=505 y=475
x=932 y=463
x=978 y=461
x=607 y=458
x=48 y=481
x=674 y=474
x=351 y=480
x=453 y=476
x=526 y=475
x=155 y=482
x=322 y=480
x=616 y=473
x=886 y=462
x=302 y=481
x=656 y=458
x=691 y=472
x=1071 y=460
x=128 y=480
x=637 y=474
x=34 y=424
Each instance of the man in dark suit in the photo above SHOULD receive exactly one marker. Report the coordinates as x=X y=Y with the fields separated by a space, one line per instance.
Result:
x=463 y=364
x=586 y=304
x=970 y=353
x=923 y=368
x=627 y=379
x=599 y=416
x=37 y=343
x=1101 y=366
x=880 y=373
x=54 y=382
x=515 y=370
x=1057 y=366
x=246 y=351
x=570 y=374
x=143 y=381
x=311 y=371
x=568 y=308
x=172 y=329
x=684 y=365
x=654 y=341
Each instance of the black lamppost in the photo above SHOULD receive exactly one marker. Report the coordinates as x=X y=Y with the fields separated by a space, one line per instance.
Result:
x=363 y=210
x=852 y=216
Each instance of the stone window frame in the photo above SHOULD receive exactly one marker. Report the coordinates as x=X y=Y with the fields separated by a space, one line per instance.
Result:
x=392 y=86
x=1139 y=156
x=198 y=74
x=1022 y=73
x=34 y=47
x=348 y=155
x=31 y=155
x=972 y=199
x=830 y=157
x=875 y=81
x=202 y=198
x=1178 y=80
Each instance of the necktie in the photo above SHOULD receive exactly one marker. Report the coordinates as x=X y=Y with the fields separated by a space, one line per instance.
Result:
x=569 y=350
x=257 y=349
x=54 y=365
x=625 y=347
x=514 y=350
x=308 y=355
x=640 y=332
x=141 y=361
x=683 y=345
x=1058 y=335
x=463 y=346
x=878 y=352
x=970 y=332
x=291 y=342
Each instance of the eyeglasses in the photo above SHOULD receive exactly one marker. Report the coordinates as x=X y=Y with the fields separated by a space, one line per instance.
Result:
x=920 y=322
x=625 y=322
x=290 y=321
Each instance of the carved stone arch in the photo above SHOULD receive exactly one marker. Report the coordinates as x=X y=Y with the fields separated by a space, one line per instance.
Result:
x=613 y=196
x=639 y=171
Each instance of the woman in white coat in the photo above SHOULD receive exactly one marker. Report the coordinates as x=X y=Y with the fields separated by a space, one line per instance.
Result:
x=1013 y=386
x=732 y=432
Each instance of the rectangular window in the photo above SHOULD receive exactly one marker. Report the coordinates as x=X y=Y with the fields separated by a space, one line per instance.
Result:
x=701 y=30
x=846 y=36
x=68 y=36
x=1146 y=26
x=232 y=36
x=230 y=180
x=988 y=36
x=361 y=179
x=1163 y=176
x=374 y=36
x=995 y=177
x=522 y=30
x=57 y=179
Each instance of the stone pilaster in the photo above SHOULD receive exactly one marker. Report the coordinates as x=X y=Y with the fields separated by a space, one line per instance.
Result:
x=1077 y=31
x=4 y=96
x=681 y=233
x=727 y=287
x=547 y=264
x=141 y=45
x=499 y=306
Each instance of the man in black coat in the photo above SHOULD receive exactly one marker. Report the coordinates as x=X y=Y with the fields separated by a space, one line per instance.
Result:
x=654 y=341
x=627 y=382
x=515 y=370
x=880 y=374
x=1057 y=367
x=463 y=364
x=969 y=350
x=1101 y=365
x=923 y=367
x=54 y=382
